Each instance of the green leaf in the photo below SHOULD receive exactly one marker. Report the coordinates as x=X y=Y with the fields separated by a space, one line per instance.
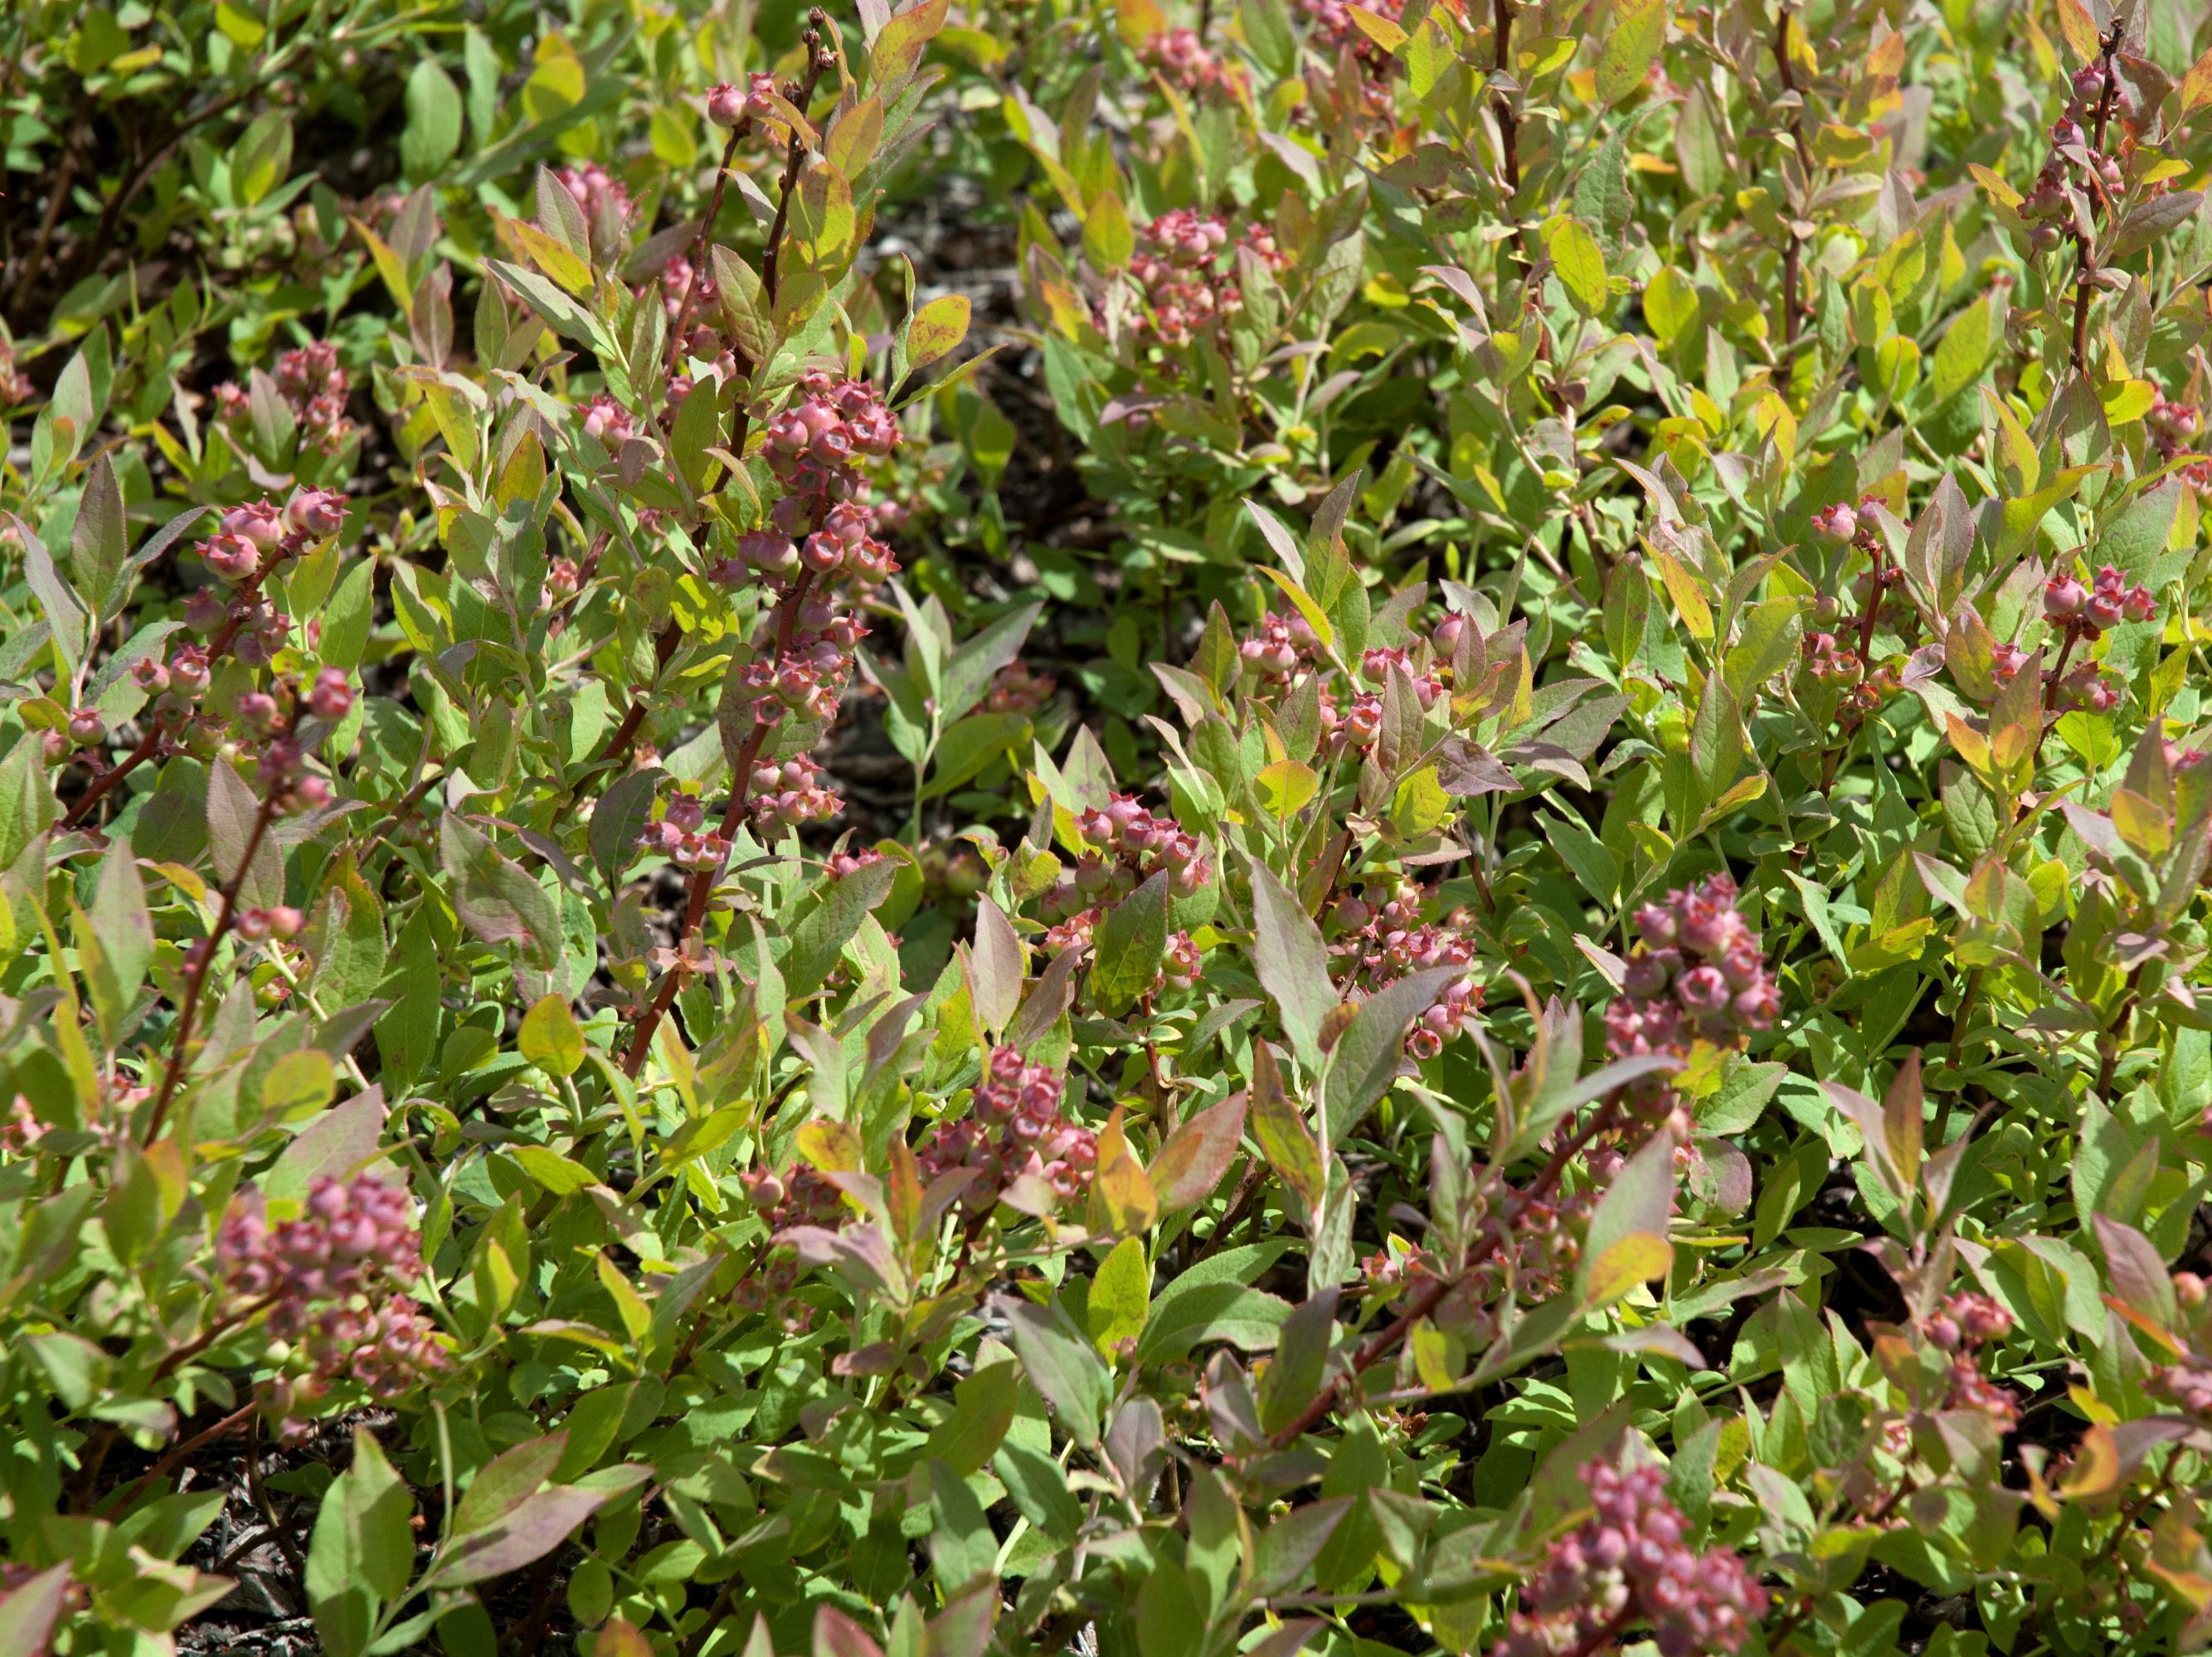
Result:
x=1060 y=1363
x=550 y=1037
x=98 y=541
x=819 y=940
x=983 y=1406
x=502 y=902
x=1631 y=48
x=362 y=1551
x=434 y=121
x=1716 y=739
x=1369 y=1053
x=1766 y=645
x=1120 y=1296
x=1580 y=264
x=1292 y=962
x=1131 y=944
x=936 y=330
x=1197 y=1155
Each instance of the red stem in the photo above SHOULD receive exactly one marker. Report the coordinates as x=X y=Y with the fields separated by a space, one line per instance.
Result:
x=196 y=974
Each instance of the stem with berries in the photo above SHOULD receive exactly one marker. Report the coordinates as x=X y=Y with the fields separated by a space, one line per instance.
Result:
x=2085 y=257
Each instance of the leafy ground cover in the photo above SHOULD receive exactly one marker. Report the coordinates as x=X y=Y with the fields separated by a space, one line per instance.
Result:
x=1040 y=825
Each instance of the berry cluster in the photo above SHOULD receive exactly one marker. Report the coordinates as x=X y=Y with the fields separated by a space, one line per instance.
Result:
x=315 y=387
x=1279 y=646
x=15 y=386
x=1018 y=1131
x=1534 y=1262
x=1701 y=975
x=1015 y=689
x=1627 y=1567
x=1380 y=937
x=680 y=835
x=605 y=421
x=2053 y=207
x=817 y=553
x=2086 y=611
x=2175 y=429
x=786 y=794
x=1178 y=266
x=730 y=106
x=1966 y=1322
x=326 y=1280
x=251 y=541
x=1127 y=845
x=351 y=1235
x=1182 y=58
x=809 y=1197
x=2082 y=613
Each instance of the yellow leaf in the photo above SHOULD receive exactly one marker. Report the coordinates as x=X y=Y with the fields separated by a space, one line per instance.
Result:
x=1286 y=786
x=1636 y=1258
x=1121 y=1198
x=833 y=1147
x=1688 y=594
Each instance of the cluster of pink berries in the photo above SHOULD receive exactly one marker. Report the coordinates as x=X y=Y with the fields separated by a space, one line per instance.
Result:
x=841 y=864
x=818 y=552
x=807 y=1197
x=1630 y=1566
x=730 y=106
x=1534 y=1262
x=2086 y=611
x=1016 y=688
x=387 y=1347
x=606 y=422
x=251 y=541
x=2082 y=613
x=681 y=834
x=1700 y=976
x=352 y=1234
x=1380 y=937
x=1182 y=58
x=325 y=1277
x=254 y=536
x=1178 y=265
x=310 y=382
x=1127 y=845
x=1967 y=1322
x=2175 y=429
x=2187 y=1385
x=1279 y=646
x=1017 y=1130
x=2049 y=207
x=795 y=792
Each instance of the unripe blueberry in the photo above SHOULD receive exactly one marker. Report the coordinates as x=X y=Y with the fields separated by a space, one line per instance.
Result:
x=256 y=522
x=316 y=513
x=1836 y=524
x=726 y=105
x=332 y=695
x=85 y=726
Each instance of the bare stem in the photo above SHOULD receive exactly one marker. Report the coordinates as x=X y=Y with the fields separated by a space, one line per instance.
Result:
x=197 y=970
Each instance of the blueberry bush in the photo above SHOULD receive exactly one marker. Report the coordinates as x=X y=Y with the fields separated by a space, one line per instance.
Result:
x=1138 y=827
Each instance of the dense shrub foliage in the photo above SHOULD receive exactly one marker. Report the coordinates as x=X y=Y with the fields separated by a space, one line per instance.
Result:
x=1040 y=825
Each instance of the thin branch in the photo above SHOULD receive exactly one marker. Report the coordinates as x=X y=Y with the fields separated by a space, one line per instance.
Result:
x=2085 y=257
x=1382 y=1344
